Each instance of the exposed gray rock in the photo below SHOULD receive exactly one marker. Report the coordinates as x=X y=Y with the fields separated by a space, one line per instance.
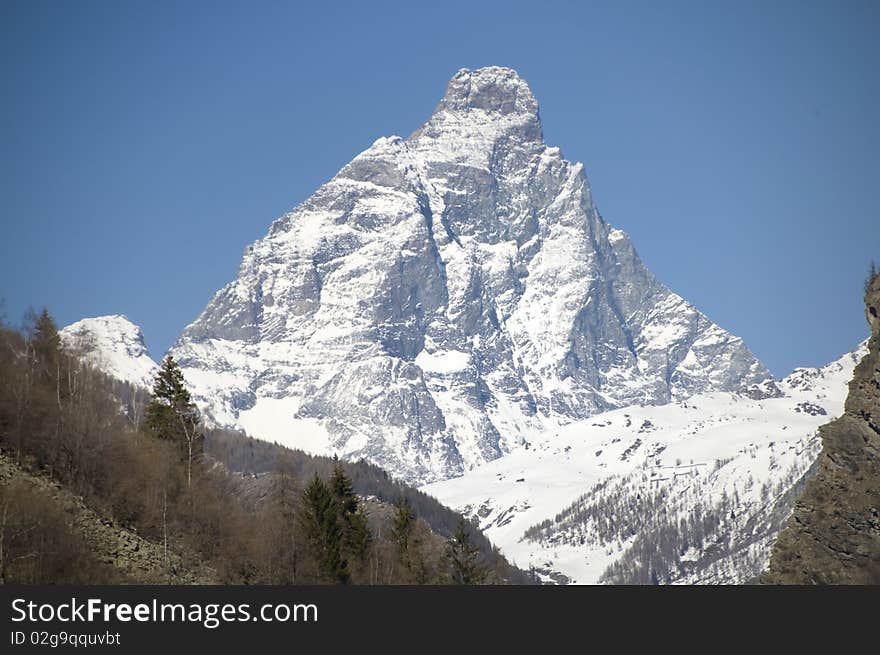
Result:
x=446 y=296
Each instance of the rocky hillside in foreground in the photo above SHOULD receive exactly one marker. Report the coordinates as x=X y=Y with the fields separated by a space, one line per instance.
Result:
x=104 y=550
x=833 y=536
x=87 y=496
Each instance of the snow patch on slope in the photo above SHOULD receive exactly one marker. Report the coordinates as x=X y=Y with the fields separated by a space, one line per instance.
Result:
x=614 y=489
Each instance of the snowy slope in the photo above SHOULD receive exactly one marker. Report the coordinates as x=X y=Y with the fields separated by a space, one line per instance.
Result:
x=446 y=297
x=689 y=492
x=115 y=345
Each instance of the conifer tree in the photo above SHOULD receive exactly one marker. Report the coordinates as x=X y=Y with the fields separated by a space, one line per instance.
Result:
x=872 y=273
x=407 y=542
x=171 y=414
x=356 y=536
x=463 y=558
x=323 y=531
x=343 y=490
x=46 y=344
x=359 y=538
x=402 y=524
x=41 y=392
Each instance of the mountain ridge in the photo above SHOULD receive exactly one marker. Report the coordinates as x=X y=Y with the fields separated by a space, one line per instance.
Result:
x=115 y=345
x=445 y=298
x=833 y=536
x=692 y=492
x=748 y=455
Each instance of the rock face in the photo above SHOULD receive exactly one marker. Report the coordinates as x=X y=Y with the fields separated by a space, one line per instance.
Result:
x=115 y=345
x=446 y=297
x=833 y=536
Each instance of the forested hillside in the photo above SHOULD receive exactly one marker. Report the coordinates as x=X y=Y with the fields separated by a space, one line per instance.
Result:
x=101 y=484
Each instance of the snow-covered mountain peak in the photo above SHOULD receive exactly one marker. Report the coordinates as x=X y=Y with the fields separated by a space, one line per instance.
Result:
x=484 y=114
x=493 y=89
x=115 y=345
x=444 y=298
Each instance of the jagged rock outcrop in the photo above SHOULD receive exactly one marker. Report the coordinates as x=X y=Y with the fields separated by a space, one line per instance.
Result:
x=833 y=536
x=444 y=298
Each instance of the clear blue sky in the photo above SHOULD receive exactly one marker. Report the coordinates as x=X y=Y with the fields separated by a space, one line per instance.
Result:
x=143 y=145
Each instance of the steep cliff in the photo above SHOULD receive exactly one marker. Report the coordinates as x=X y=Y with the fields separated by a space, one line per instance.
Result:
x=445 y=298
x=833 y=536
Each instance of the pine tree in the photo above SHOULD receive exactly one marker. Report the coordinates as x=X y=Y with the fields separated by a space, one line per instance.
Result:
x=872 y=273
x=171 y=414
x=41 y=391
x=402 y=524
x=343 y=490
x=46 y=345
x=359 y=538
x=356 y=537
x=463 y=557
x=45 y=348
x=323 y=531
x=407 y=542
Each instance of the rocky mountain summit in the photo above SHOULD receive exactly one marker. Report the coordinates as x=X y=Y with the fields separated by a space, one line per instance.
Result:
x=115 y=345
x=446 y=297
x=833 y=536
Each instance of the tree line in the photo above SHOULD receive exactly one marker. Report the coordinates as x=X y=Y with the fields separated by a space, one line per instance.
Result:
x=259 y=460
x=148 y=464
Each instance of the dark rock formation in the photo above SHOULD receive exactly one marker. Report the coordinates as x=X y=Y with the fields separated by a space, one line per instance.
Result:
x=833 y=536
